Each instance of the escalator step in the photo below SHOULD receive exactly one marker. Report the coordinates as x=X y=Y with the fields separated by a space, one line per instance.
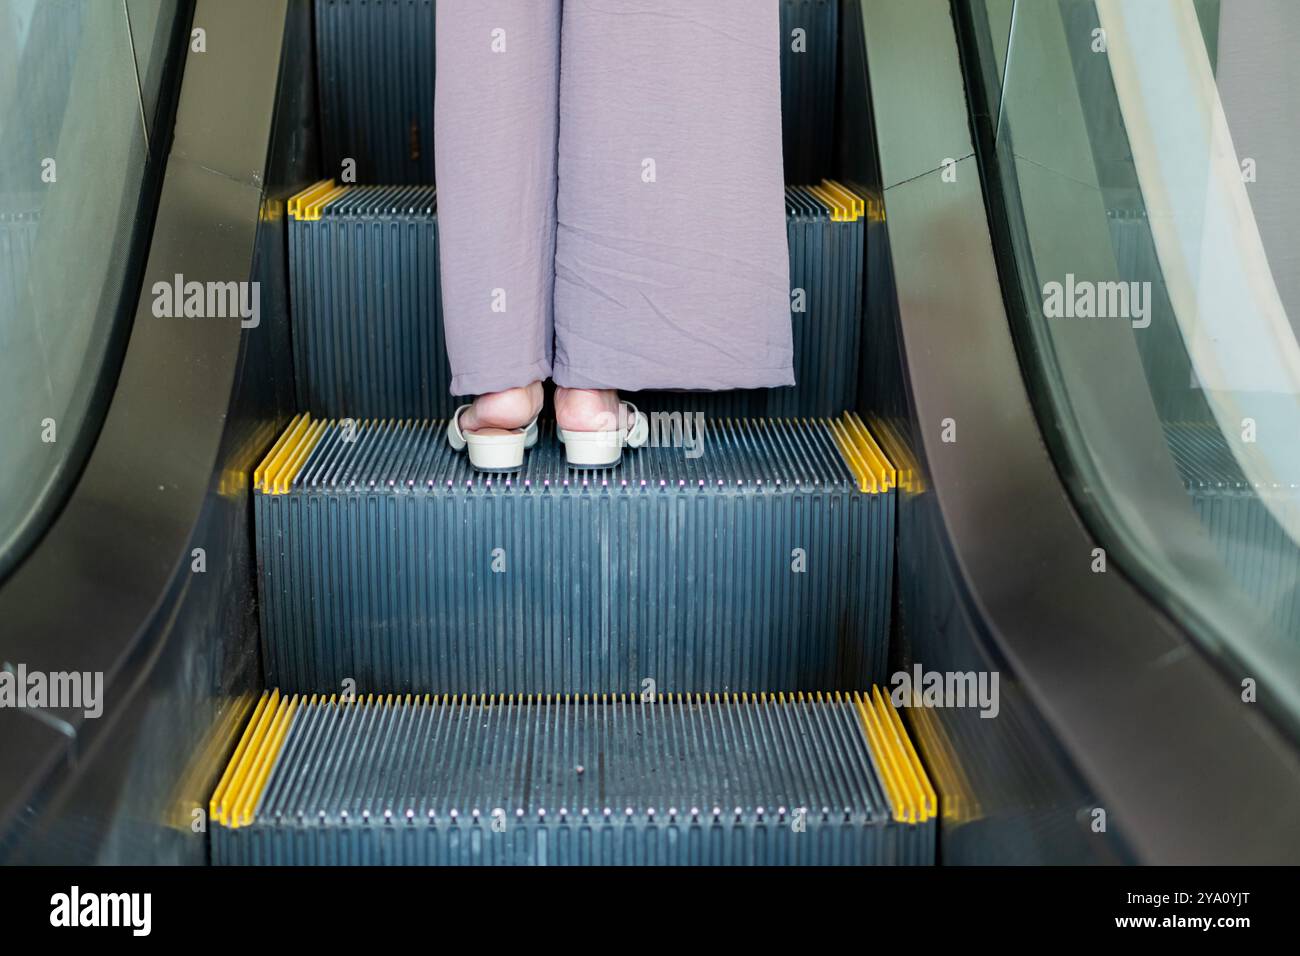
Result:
x=368 y=323
x=560 y=779
x=367 y=309
x=1241 y=518
x=763 y=563
x=375 y=72
x=375 y=75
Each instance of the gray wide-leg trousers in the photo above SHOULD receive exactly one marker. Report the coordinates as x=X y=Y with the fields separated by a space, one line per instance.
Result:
x=610 y=194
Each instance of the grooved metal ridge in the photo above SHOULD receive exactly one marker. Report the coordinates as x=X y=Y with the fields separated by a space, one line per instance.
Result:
x=375 y=71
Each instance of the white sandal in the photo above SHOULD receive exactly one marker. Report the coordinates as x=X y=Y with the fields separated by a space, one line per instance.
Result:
x=605 y=448
x=492 y=449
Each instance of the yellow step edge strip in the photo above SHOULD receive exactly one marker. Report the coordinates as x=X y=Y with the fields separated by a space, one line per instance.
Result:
x=274 y=461
x=840 y=210
x=310 y=210
x=917 y=779
x=320 y=187
x=896 y=449
x=288 y=455
x=855 y=203
x=906 y=807
x=844 y=203
x=906 y=784
x=232 y=779
x=261 y=764
x=884 y=759
x=873 y=470
x=883 y=469
x=260 y=472
x=284 y=478
x=242 y=782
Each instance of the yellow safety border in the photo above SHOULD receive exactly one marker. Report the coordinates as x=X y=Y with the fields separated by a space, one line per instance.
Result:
x=310 y=211
x=874 y=472
x=906 y=784
x=857 y=206
x=317 y=188
x=289 y=453
x=241 y=786
x=890 y=438
x=841 y=210
x=307 y=205
x=845 y=205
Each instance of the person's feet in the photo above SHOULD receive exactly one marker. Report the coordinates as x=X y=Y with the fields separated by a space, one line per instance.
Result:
x=503 y=411
x=576 y=409
x=587 y=409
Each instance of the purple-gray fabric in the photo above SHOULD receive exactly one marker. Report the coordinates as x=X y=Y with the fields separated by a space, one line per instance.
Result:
x=610 y=194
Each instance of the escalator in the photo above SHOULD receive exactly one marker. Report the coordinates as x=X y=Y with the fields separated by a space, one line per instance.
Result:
x=637 y=620
x=943 y=601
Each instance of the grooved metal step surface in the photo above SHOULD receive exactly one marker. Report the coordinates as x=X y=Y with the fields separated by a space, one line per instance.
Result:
x=763 y=563
x=375 y=72
x=368 y=333
x=522 y=779
x=809 y=55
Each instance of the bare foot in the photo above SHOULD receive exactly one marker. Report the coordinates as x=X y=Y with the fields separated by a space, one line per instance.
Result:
x=587 y=409
x=503 y=411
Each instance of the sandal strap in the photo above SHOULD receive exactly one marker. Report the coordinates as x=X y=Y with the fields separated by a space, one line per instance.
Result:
x=453 y=427
x=631 y=417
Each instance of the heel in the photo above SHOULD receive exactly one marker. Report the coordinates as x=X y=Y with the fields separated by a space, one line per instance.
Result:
x=604 y=449
x=494 y=450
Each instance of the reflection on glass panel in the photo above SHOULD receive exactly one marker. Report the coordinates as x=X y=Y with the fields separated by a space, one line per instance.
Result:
x=72 y=162
x=151 y=24
x=999 y=14
x=1146 y=151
